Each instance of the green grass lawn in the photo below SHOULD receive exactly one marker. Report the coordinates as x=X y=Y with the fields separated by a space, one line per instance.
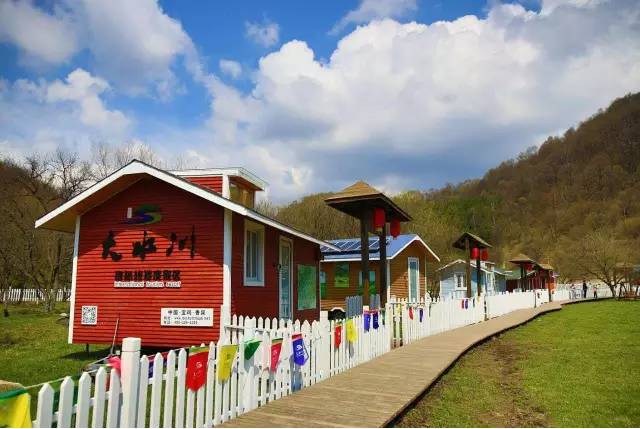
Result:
x=34 y=349
x=576 y=367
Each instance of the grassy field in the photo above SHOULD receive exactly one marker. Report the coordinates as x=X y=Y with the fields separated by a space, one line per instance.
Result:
x=575 y=367
x=34 y=349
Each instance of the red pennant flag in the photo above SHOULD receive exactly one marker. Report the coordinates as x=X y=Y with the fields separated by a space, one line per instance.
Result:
x=411 y=313
x=197 y=370
x=115 y=363
x=276 y=347
x=462 y=303
x=337 y=337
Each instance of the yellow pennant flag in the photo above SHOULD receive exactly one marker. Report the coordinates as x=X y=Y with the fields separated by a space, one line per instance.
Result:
x=225 y=361
x=352 y=335
x=15 y=409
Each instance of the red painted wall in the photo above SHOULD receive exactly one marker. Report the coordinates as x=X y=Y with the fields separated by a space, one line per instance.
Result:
x=139 y=309
x=264 y=300
x=211 y=182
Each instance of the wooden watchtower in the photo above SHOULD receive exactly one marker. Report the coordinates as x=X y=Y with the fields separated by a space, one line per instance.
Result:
x=360 y=200
x=524 y=262
x=466 y=242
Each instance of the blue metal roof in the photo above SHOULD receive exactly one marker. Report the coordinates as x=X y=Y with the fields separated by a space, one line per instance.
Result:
x=350 y=247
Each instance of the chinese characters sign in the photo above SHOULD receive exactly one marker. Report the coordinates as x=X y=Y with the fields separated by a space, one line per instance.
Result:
x=186 y=317
x=147 y=278
x=147 y=245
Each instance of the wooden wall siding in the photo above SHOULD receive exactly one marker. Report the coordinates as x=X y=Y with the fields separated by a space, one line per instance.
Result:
x=212 y=182
x=398 y=277
x=264 y=300
x=336 y=296
x=399 y=268
x=139 y=309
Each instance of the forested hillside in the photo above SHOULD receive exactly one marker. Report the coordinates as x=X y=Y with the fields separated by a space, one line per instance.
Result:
x=544 y=203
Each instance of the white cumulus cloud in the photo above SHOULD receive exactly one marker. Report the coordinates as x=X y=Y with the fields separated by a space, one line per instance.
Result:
x=429 y=103
x=135 y=45
x=42 y=38
x=84 y=89
x=265 y=33
x=368 y=10
x=230 y=68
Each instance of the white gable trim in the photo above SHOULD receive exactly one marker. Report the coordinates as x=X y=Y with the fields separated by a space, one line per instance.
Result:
x=137 y=167
x=460 y=261
x=415 y=238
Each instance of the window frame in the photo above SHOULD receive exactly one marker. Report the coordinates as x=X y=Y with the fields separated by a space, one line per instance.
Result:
x=260 y=229
x=335 y=276
x=457 y=276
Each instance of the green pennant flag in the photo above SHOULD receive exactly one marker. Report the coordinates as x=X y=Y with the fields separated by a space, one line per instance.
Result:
x=250 y=347
x=194 y=349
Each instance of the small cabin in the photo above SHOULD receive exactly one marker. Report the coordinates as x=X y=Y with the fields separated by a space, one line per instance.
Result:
x=452 y=279
x=168 y=256
x=341 y=273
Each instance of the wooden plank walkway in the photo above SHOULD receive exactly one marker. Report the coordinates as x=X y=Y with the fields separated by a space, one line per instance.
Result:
x=374 y=393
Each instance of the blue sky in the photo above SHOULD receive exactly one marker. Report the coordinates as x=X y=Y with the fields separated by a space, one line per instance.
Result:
x=406 y=94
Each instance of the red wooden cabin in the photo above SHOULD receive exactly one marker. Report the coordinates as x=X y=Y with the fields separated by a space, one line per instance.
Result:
x=172 y=254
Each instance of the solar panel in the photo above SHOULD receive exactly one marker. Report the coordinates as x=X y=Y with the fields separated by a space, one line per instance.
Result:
x=354 y=245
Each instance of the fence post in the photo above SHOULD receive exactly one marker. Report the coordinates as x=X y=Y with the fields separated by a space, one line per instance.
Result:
x=324 y=346
x=250 y=389
x=130 y=358
x=225 y=319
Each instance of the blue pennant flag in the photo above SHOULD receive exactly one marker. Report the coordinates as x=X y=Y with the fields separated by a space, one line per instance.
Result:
x=421 y=314
x=367 y=321
x=300 y=354
x=375 y=320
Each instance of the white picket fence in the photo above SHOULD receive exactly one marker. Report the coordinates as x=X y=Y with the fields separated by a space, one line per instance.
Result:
x=160 y=398
x=418 y=319
x=565 y=292
x=31 y=295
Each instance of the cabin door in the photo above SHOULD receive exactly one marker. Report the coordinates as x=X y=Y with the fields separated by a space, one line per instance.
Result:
x=414 y=276
x=286 y=250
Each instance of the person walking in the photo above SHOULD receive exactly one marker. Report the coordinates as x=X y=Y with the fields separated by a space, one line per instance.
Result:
x=595 y=292
x=584 y=289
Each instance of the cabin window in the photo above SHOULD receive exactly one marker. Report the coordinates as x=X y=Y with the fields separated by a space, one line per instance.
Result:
x=253 y=254
x=341 y=279
x=307 y=287
x=372 y=283
x=323 y=285
x=460 y=281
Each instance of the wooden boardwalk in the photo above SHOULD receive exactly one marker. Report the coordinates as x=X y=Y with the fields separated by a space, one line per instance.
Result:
x=374 y=393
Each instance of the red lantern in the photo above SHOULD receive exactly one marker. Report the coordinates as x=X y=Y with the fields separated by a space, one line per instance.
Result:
x=378 y=218
x=528 y=267
x=395 y=228
x=485 y=255
x=475 y=253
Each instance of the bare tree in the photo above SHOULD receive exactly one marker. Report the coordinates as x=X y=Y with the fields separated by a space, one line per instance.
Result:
x=106 y=158
x=600 y=256
x=40 y=258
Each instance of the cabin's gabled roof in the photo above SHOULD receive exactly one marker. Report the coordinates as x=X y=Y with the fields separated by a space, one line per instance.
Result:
x=350 y=250
x=63 y=218
x=473 y=265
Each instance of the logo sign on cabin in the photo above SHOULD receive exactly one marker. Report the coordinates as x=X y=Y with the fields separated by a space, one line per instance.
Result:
x=147 y=214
